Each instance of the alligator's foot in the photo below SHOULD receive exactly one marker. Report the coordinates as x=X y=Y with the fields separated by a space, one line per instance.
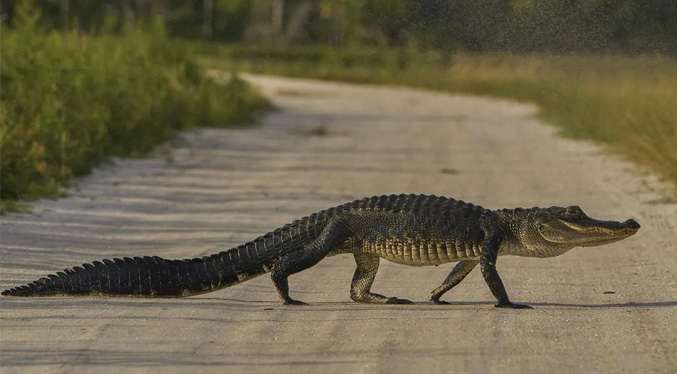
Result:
x=513 y=306
x=374 y=298
x=439 y=302
x=395 y=300
x=294 y=302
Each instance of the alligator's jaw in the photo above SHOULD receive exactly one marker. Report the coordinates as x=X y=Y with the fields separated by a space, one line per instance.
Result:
x=586 y=232
x=603 y=232
x=548 y=232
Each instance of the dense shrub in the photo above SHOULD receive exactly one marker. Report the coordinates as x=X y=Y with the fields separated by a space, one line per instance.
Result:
x=69 y=100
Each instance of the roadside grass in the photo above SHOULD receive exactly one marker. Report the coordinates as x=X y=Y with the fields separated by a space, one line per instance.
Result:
x=68 y=101
x=627 y=103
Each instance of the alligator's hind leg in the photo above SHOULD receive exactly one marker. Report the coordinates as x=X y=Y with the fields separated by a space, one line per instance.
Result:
x=367 y=265
x=458 y=273
x=333 y=235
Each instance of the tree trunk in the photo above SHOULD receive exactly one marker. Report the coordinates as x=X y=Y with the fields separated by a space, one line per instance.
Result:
x=277 y=32
x=64 y=7
x=128 y=13
x=208 y=18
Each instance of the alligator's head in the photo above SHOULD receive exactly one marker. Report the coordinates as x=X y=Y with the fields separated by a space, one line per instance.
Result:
x=552 y=231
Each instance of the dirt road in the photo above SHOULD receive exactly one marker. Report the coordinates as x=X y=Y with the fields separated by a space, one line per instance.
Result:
x=604 y=309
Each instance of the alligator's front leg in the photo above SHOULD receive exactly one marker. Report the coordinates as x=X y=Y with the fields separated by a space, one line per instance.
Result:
x=488 y=266
x=458 y=273
x=333 y=235
x=360 y=288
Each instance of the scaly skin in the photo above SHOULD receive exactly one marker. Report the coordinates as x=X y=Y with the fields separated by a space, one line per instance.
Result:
x=415 y=230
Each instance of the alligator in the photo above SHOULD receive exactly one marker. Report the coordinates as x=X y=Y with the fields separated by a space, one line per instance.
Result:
x=415 y=230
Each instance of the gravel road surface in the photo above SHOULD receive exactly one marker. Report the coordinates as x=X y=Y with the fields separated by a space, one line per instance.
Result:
x=610 y=309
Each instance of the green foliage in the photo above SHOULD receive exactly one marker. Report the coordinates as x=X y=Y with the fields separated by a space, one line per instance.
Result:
x=230 y=19
x=629 y=103
x=618 y=26
x=68 y=101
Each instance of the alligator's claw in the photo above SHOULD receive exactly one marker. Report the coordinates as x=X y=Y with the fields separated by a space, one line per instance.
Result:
x=295 y=302
x=395 y=300
x=513 y=306
x=440 y=302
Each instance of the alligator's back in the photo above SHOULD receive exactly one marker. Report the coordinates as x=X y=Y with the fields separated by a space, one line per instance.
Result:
x=417 y=230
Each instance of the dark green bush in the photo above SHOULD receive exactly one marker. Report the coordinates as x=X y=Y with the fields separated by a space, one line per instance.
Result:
x=69 y=100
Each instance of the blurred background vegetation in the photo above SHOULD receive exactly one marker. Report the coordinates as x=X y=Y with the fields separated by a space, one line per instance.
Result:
x=619 y=26
x=83 y=79
x=69 y=99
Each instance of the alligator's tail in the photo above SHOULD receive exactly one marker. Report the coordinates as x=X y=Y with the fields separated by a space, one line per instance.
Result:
x=145 y=276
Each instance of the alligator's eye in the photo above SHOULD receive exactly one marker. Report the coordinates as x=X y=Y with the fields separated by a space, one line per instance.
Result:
x=573 y=211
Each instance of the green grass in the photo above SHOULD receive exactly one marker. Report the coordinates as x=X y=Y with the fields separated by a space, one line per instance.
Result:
x=626 y=103
x=68 y=101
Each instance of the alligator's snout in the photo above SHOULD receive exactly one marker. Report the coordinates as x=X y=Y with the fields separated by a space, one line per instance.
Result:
x=632 y=224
